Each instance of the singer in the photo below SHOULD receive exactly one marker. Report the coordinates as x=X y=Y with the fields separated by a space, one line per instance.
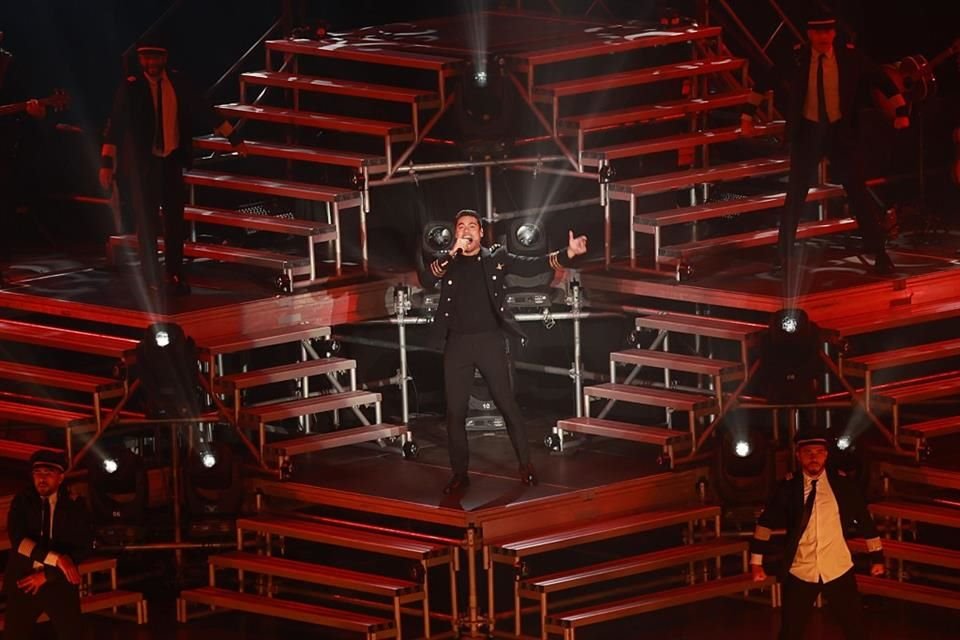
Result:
x=472 y=322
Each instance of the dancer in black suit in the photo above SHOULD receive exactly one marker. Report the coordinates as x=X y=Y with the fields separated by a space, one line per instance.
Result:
x=50 y=534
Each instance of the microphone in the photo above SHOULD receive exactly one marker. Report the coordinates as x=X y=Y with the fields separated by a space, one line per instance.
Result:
x=459 y=250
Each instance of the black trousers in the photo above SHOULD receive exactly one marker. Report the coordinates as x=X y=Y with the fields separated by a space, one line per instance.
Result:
x=59 y=599
x=160 y=184
x=488 y=353
x=842 y=596
x=810 y=143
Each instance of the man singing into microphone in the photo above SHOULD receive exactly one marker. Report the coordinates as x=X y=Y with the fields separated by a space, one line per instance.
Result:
x=473 y=322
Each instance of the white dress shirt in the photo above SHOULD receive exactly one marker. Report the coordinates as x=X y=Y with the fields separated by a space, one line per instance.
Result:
x=822 y=553
x=51 y=558
x=831 y=87
x=171 y=129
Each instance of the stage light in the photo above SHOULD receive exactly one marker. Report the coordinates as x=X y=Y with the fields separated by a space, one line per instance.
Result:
x=110 y=465
x=843 y=443
x=166 y=364
x=745 y=464
x=118 y=491
x=528 y=234
x=790 y=358
x=480 y=77
x=208 y=460
x=789 y=324
x=213 y=489
x=437 y=237
x=742 y=449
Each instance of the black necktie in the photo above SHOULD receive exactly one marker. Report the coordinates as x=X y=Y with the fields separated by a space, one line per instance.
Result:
x=158 y=129
x=808 y=506
x=45 y=519
x=821 y=93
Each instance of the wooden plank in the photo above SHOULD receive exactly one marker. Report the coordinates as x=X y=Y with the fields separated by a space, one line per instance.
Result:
x=859 y=365
x=676 y=142
x=344 y=51
x=346 y=124
x=321 y=231
x=665 y=182
x=910 y=391
x=307 y=406
x=912 y=552
x=67 y=339
x=339 y=86
x=291 y=610
x=932 y=428
x=333 y=439
x=909 y=591
x=655 y=396
x=57 y=378
x=259 y=258
x=623 y=431
x=679 y=361
x=283 y=373
x=271 y=187
x=316 y=155
x=236 y=342
x=46 y=416
x=895 y=317
x=592 y=84
x=917 y=512
x=706 y=326
x=22 y=451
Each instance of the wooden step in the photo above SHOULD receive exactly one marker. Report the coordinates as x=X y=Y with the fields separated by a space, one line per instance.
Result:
x=280 y=262
x=330 y=122
x=706 y=326
x=665 y=182
x=944 y=516
x=598 y=531
x=339 y=536
x=21 y=451
x=60 y=379
x=932 y=428
x=374 y=628
x=337 y=86
x=911 y=391
x=269 y=187
x=29 y=414
x=333 y=439
x=283 y=373
x=624 y=431
x=909 y=591
x=319 y=231
x=275 y=411
x=724 y=369
x=650 y=221
x=655 y=396
x=316 y=155
x=592 y=84
x=598 y=121
x=613 y=44
x=315 y=573
x=237 y=342
x=562 y=623
x=367 y=53
x=67 y=339
x=683 y=253
x=594 y=157
x=860 y=365
x=631 y=566
x=895 y=317
x=912 y=552
x=101 y=602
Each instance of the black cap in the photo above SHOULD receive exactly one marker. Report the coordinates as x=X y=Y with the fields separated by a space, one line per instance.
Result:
x=811 y=435
x=151 y=44
x=463 y=213
x=821 y=19
x=48 y=458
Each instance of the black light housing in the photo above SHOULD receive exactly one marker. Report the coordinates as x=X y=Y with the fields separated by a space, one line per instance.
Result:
x=168 y=371
x=791 y=358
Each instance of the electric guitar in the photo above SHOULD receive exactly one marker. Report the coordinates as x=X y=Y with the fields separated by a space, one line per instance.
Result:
x=914 y=78
x=57 y=100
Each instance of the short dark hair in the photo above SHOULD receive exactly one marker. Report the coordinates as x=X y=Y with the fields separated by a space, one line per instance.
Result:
x=463 y=213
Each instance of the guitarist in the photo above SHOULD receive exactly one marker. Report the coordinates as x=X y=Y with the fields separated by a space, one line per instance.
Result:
x=824 y=88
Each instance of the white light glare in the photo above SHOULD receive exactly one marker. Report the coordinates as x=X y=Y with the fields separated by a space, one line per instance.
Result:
x=789 y=324
x=110 y=465
x=480 y=77
x=162 y=338
x=843 y=443
x=208 y=460
x=742 y=448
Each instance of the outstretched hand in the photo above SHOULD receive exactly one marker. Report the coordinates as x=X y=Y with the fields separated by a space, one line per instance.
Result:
x=576 y=246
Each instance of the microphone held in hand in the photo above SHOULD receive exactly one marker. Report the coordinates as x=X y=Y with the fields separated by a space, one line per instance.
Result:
x=461 y=243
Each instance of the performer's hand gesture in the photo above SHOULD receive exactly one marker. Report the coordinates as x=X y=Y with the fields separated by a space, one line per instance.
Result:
x=759 y=575
x=576 y=246
x=877 y=569
x=31 y=584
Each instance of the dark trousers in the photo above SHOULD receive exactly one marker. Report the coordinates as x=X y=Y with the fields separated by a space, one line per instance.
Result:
x=488 y=353
x=809 y=144
x=159 y=185
x=58 y=599
x=842 y=596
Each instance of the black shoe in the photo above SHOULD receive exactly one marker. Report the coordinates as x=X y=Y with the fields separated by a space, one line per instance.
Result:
x=528 y=475
x=458 y=482
x=883 y=265
x=177 y=286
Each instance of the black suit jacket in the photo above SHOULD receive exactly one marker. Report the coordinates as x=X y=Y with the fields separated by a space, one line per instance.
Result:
x=129 y=133
x=857 y=74
x=785 y=511
x=72 y=535
x=497 y=263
